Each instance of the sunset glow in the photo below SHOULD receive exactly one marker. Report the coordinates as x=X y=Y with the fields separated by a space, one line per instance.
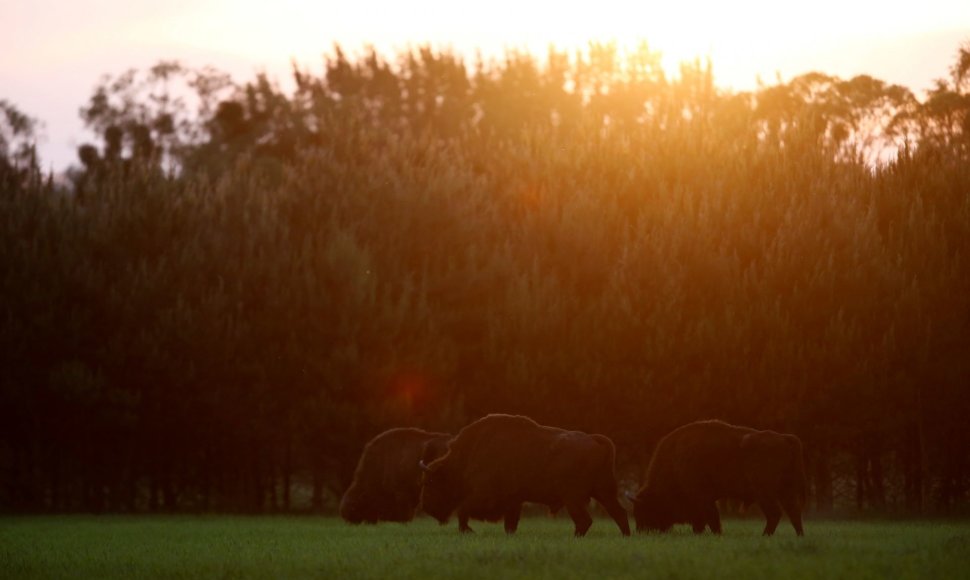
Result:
x=55 y=62
x=744 y=38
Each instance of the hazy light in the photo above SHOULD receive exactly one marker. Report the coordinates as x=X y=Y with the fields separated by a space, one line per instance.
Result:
x=55 y=50
x=742 y=36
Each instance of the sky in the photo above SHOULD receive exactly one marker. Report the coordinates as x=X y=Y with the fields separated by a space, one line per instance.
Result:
x=52 y=52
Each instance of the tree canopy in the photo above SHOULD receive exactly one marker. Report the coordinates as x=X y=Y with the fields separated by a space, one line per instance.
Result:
x=247 y=283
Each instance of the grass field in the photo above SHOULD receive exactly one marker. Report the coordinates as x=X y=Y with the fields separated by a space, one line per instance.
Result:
x=270 y=547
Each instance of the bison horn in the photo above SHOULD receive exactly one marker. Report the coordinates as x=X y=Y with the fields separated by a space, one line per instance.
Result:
x=424 y=466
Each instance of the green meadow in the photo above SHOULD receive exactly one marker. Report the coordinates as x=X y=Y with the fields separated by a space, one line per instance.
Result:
x=286 y=547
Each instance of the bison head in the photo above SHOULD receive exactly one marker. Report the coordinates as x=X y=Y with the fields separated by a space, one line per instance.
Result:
x=433 y=449
x=651 y=512
x=351 y=509
x=350 y=512
x=439 y=490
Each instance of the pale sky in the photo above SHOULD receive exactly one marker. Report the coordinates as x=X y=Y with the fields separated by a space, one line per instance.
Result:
x=52 y=52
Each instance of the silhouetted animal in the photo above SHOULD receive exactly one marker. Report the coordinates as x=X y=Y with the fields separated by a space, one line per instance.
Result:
x=700 y=463
x=500 y=461
x=387 y=482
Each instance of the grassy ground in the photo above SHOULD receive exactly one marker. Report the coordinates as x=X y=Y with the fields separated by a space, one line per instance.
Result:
x=228 y=547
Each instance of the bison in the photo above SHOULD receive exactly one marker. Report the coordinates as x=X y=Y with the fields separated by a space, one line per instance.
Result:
x=700 y=463
x=387 y=482
x=499 y=462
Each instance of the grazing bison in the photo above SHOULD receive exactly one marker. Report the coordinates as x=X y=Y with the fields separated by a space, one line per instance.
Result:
x=500 y=461
x=387 y=482
x=700 y=463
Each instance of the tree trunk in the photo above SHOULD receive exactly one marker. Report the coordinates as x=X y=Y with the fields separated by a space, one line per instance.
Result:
x=822 y=476
x=153 y=494
x=256 y=483
x=860 y=480
x=877 y=484
x=206 y=484
x=56 y=502
x=287 y=469
x=923 y=461
x=168 y=494
x=274 y=505
x=317 y=501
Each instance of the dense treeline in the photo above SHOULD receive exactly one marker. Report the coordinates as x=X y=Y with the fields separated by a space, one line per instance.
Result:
x=233 y=296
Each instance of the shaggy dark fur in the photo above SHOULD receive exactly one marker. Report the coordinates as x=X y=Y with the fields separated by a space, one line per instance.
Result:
x=700 y=463
x=387 y=482
x=500 y=461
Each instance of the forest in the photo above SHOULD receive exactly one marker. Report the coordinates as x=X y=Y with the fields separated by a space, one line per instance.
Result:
x=240 y=283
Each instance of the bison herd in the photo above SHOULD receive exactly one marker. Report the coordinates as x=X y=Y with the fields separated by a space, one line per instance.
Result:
x=496 y=464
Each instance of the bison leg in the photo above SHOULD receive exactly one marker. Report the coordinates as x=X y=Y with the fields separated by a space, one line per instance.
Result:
x=512 y=515
x=713 y=518
x=793 y=508
x=616 y=511
x=698 y=516
x=554 y=508
x=463 y=526
x=581 y=517
x=772 y=513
